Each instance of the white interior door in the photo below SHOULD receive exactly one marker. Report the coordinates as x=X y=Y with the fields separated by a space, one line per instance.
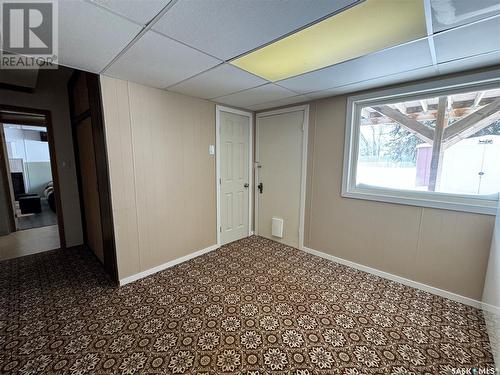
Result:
x=234 y=176
x=280 y=142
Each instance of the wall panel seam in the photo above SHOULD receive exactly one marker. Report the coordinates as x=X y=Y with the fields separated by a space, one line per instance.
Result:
x=132 y=152
x=313 y=150
x=419 y=235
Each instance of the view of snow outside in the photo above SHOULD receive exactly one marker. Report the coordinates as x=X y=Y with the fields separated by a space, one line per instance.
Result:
x=388 y=156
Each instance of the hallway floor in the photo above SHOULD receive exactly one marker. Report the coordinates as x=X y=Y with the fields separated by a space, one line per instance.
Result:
x=252 y=307
x=45 y=218
x=29 y=241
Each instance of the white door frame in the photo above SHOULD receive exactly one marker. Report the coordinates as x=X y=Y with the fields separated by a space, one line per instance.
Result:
x=218 y=110
x=303 y=180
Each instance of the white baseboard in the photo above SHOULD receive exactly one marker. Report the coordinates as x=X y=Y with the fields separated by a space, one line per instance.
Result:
x=414 y=284
x=492 y=319
x=440 y=292
x=163 y=266
x=491 y=309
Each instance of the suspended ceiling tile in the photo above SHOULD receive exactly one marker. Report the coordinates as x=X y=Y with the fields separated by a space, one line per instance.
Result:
x=157 y=61
x=258 y=95
x=228 y=28
x=141 y=11
x=475 y=62
x=363 y=29
x=279 y=103
x=402 y=58
x=90 y=37
x=470 y=40
x=381 y=82
x=447 y=14
x=221 y=80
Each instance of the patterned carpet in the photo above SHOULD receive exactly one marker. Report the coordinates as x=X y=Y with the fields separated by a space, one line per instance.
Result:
x=252 y=307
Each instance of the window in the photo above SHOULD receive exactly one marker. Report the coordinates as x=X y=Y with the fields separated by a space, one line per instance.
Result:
x=431 y=148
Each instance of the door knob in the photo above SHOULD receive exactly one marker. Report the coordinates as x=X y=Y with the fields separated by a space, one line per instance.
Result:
x=246 y=185
x=260 y=187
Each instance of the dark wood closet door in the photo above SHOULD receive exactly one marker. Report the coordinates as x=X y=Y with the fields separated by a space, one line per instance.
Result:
x=92 y=170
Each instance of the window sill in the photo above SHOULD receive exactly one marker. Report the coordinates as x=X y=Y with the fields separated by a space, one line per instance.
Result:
x=453 y=203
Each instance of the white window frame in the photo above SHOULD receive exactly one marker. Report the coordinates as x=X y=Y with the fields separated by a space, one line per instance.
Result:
x=447 y=86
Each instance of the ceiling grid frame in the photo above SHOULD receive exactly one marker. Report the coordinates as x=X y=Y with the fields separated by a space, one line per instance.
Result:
x=145 y=28
x=476 y=60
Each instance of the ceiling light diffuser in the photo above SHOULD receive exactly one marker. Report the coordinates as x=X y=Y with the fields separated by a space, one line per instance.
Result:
x=362 y=29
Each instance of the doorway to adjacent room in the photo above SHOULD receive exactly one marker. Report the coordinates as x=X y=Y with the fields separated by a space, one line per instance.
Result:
x=29 y=184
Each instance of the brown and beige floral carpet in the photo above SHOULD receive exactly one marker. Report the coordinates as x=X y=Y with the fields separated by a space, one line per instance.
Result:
x=251 y=307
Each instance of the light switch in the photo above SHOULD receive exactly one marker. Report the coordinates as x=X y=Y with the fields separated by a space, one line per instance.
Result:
x=211 y=150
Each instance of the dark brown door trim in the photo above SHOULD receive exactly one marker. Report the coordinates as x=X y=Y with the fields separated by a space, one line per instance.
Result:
x=4 y=170
x=101 y=158
x=95 y=113
x=75 y=120
x=18 y=115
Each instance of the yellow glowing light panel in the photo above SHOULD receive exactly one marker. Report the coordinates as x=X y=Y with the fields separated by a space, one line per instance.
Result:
x=367 y=27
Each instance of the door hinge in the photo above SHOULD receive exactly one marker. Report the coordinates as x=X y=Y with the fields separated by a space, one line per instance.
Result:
x=220 y=181
x=220 y=229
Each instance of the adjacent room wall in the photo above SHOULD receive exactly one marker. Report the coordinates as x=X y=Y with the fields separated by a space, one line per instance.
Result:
x=39 y=174
x=491 y=295
x=444 y=249
x=25 y=146
x=162 y=176
x=5 y=205
x=51 y=94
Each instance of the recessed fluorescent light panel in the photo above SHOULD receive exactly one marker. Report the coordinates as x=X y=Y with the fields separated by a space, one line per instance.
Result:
x=367 y=27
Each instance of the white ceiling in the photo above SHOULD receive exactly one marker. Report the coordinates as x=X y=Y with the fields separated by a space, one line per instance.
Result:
x=478 y=38
x=402 y=58
x=425 y=72
x=279 y=103
x=258 y=95
x=157 y=61
x=447 y=14
x=228 y=28
x=139 y=11
x=184 y=46
x=472 y=62
x=214 y=83
x=90 y=37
